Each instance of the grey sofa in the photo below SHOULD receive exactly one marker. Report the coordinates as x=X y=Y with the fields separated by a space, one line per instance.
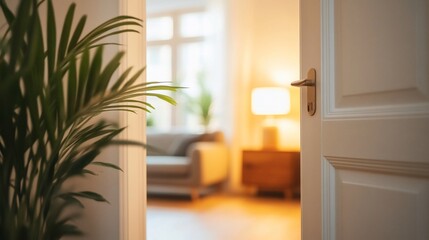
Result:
x=185 y=161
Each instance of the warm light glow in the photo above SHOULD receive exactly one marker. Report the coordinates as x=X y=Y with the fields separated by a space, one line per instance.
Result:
x=283 y=77
x=270 y=101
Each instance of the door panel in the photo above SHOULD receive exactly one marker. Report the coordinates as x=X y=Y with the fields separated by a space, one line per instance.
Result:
x=365 y=214
x=373 y=151
x=402 y=139
x=375 y=200
x=364 y=74
x=376 y=56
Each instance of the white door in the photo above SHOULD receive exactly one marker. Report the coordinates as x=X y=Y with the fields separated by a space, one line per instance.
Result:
x=365 y=153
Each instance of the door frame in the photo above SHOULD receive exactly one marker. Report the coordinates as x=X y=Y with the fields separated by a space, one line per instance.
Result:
x=310 y=49
x=132 y=160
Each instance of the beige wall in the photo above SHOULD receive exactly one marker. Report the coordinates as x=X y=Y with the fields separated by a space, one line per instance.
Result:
x=275 y=62
x=100 y=221
x=263 y=42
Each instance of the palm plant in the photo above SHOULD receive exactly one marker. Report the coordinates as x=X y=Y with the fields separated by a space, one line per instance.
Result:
x=51 y=88
x=202 y=103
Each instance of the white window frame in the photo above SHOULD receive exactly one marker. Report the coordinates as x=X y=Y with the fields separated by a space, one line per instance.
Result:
x=174 y=43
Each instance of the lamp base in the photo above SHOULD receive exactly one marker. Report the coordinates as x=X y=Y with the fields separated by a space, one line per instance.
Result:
x=270 y=137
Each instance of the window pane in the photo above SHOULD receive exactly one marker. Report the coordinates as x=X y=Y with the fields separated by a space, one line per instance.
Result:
x=159 y=63
x=191 y=69
x=191 y=65
x=160 y=28
x=192 y=24
x=159 y=69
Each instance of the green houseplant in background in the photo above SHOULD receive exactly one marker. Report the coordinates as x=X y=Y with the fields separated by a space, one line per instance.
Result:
x=202 y=103
x=51 y=88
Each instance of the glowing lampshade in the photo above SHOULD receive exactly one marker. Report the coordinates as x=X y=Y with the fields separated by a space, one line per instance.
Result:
x=270 y=101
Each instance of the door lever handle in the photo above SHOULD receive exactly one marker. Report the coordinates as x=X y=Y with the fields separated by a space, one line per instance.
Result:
x=303 y=83
x=310 y=83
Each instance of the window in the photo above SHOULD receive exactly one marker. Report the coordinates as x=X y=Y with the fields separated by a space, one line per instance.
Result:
x=192 y=24
x=160 y=28
x=177 y=51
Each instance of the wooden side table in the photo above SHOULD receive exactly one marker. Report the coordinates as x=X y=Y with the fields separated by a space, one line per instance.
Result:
x=273 y=170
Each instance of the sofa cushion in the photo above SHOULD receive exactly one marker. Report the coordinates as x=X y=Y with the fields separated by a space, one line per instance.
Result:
x=213 y=137
x=159 y=144
x=177 y=143
x=167 y=166
x=181 y=145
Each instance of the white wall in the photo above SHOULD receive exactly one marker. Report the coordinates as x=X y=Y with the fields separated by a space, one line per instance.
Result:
x=238 y=44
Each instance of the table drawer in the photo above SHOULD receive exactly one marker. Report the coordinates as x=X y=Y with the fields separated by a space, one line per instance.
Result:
x=270 y=169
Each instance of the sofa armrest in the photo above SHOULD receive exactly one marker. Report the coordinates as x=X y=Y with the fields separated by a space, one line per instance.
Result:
x=209 y=162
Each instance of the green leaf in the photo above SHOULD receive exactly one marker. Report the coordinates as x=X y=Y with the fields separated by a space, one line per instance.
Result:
x=18 y=30
x=107 y=73
x=10 y=17
x=89 y=195
x=68 y=229
x=51 y=37
x=76 y=34
x=108 y=165
x=65 y=34
x=94 y=72
x=70 y=199
x=121 y=79
x=72 y=89
x=83 y=78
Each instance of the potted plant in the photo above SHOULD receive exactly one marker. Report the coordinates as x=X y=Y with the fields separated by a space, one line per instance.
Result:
x=202 y=103
x=51 y=88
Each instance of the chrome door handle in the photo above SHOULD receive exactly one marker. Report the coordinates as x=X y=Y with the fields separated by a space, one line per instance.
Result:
x=310 y=83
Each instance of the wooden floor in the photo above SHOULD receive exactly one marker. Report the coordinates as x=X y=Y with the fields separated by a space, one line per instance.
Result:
x=221 y=217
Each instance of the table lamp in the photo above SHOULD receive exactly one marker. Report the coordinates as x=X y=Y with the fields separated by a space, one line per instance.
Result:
x=270 y=101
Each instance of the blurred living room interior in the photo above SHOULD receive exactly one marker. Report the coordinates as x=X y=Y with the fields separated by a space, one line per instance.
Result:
x=224 y=162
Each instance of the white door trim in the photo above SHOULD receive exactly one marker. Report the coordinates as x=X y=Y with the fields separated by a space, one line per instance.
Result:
x=132 y=189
